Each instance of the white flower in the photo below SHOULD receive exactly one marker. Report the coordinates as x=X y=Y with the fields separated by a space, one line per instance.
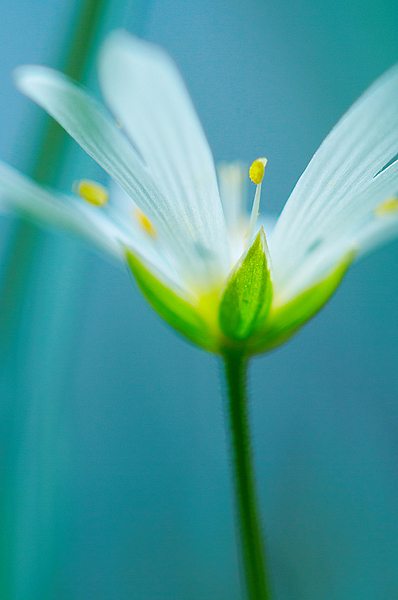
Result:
x=200 y=259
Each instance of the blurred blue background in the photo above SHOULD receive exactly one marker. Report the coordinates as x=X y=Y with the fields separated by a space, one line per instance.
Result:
x=115 y=473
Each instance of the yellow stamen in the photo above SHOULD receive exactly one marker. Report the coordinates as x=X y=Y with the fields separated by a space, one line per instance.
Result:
x=93 y=192
x=256 y=171
x=144 y=222
x=386 y=208
x=256 y=174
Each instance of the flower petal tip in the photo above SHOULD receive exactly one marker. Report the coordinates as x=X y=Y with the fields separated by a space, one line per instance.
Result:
x=28 y=78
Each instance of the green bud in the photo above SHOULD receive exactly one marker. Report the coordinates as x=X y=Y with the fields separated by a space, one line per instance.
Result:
x=247 y=296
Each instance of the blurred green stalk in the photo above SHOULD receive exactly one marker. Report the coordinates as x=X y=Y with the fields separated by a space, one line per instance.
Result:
x=29 y=428
x=46 y=169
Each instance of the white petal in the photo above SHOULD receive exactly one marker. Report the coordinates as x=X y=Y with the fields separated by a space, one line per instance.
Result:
x=146 y=93
x=232 y=180
x=311 y=272
x=356 y=228
x=345 y=180
x=98 y=227
x=121 y=211
x=91 y=126
x=367 y=237
x=24 y=196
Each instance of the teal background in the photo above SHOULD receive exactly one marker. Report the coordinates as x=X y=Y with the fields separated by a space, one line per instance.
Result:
x=115 y=468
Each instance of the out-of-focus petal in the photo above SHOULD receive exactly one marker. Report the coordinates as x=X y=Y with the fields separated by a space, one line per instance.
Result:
x=98 y=227
x=26 y=197
x=92 y=127
x=145 y=91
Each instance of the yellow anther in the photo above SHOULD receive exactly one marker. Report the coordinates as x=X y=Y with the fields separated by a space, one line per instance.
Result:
x=387 y=207
x=256 y=171
x=144 y=222
x=92 y=192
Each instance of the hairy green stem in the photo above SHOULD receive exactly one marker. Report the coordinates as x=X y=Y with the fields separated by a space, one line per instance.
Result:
x=252 y=550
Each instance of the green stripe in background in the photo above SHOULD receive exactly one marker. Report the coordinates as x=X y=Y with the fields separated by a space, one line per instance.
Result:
x=40 y=291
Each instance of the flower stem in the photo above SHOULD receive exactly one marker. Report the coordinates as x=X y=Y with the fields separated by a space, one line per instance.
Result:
x=252 y=550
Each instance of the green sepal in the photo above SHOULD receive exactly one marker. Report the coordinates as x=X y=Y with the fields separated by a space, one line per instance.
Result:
x=283 y=322
x=176 y=311
x=247 y=296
